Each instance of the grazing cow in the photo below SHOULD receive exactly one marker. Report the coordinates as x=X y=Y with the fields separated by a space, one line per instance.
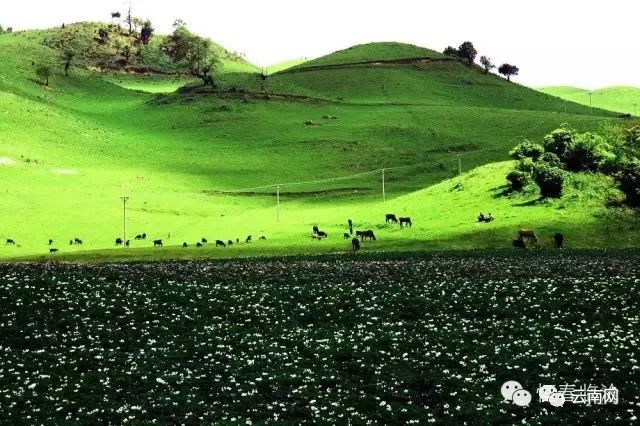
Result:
x=355 y=243
x=157 y=243
x=368 y=234
x=144 y=236
x=138 y=237
x=350 y=222
x=405 y=221
x=77 y=241
x=220 y=243
x=185 y=245
x=53 y=250
x=50 y=242
x=488 y=218
x=248 y=239
x=229 y=243
x=263 y=238
x=127 y=243
x=346 y=236
x=198 y=244
x=558 y=240
x=518 y=243
x=10 y=242
x=322 y=234
x=118 y=241
x=70 y=242
x=390 y=217
x=237 y=240
x=527 y=234
x=204 y=241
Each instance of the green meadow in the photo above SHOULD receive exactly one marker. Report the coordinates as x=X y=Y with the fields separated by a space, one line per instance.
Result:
x=200 y=163
x=622 y=99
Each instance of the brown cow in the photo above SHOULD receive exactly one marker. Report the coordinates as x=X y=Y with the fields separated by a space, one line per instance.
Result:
x=527 y=234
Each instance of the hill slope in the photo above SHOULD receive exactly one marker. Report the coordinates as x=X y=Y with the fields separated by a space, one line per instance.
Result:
x=622 y=99
x=88 y=139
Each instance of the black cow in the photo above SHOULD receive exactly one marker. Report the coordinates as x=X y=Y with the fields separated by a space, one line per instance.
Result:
x=198 y=244
x=204 y=241
x=350 y=223
x=315 y=229
x=127 y=243
x=237 y=240
x=185 y=245
x=355 y=243
x=157 y=243
x=322 y=234
x=390 y=217
x=53 y=250
x=346 y=236
x=405 y=221
x=70 y=242
x=248 y=239
x=10 y=242
x=367 y=234
x=558 y=240
x=220 y=243
x=50 y=241
x=138 y=237
x=263 y=238
x=118 y=241
x=229 y=243
x=77 y=241
x=144 y=236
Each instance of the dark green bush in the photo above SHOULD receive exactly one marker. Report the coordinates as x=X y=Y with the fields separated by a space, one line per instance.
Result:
x=587 y=152
x=559 y=140
x=550 y=180
x=517 y=180
x=628 y=179
x=550 y=159
x=527 y=149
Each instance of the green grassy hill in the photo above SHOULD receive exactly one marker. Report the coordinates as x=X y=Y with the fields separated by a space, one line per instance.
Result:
x=620 y=98
x=69 y=151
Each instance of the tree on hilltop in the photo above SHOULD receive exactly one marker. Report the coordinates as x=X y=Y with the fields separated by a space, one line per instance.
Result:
x=467 y=52
x=486 y=63
x=508 y=70
x=194 y=51
x=451 y=51
x=146 y=32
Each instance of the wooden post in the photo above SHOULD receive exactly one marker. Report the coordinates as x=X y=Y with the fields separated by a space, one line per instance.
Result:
x=277 y=203
x=384 y=195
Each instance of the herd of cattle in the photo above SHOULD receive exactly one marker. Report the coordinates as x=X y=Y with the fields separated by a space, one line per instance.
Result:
x=524 y=236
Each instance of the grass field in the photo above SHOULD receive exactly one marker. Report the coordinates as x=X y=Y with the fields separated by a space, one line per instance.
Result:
x=620 y=98
x=70 y=151
x=408 y=339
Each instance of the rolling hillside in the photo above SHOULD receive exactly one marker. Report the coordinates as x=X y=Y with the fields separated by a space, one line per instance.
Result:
x=622 y=99
x=196 y=163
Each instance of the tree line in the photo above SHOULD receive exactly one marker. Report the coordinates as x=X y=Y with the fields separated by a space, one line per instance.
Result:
x=467 y=52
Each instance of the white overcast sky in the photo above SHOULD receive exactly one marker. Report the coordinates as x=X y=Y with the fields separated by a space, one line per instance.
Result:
x=587 y=43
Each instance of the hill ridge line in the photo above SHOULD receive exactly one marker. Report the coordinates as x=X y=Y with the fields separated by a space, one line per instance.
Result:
x=404 y=61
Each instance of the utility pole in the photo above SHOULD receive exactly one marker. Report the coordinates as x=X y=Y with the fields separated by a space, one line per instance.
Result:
x=277 y=203
x=124 y=220
x=384 y=195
